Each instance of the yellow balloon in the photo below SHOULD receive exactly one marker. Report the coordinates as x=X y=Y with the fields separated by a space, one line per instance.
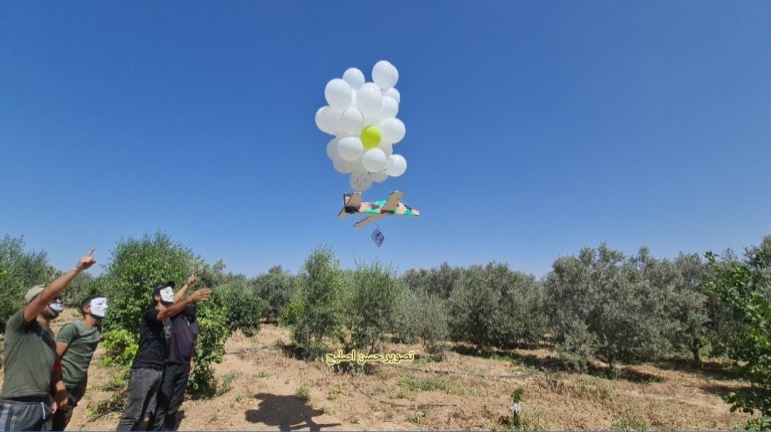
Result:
x=370 y=137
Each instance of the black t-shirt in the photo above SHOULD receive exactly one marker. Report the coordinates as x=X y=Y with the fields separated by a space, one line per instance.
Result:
x=153 y=341
x=183 y=335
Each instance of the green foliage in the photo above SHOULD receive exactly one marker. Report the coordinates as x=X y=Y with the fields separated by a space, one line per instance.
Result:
x=135 y=269
x=472 y=306
x=121 y=346
x=304 y=393
x=744 y=286
x=516 y=394
x=244 y=308
x=81 y=287
x=438 y=281
x=320 y=294
x=20 y=270
x=604 y=304
x=291 y=313
x=276 y=289
x=495 y=306
x=209 y=347
x=423 y=317
x=370 y=307
x=631 y=420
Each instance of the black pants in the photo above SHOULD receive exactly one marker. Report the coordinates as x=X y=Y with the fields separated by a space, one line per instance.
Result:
x=142 y=389
x=170 y=396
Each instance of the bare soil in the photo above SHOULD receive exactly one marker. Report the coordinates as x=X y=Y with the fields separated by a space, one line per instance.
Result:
x=269 y=389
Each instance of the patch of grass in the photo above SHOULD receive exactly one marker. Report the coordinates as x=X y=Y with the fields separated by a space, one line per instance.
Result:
x=418 y=416
x=304 y=393
x=116 y=403
x=430 y=383
x=335 y=391
x=631 y=420
x=227 y=382
x=261 y=374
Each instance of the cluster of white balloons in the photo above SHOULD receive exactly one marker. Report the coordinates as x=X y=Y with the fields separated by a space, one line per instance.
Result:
x=362 y=117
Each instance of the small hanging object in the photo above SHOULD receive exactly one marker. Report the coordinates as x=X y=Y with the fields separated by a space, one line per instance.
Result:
x=377 y=237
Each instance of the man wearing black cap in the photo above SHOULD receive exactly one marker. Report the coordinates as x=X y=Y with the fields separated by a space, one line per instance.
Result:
x=150 y=360
x=179 y=365
x=30 y=356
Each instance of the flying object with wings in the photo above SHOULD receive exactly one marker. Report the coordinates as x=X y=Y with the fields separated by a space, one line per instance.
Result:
x=375 y=209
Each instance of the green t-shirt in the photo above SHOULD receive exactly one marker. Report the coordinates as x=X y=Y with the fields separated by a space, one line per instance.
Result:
x=82 y=341
x=30 y=352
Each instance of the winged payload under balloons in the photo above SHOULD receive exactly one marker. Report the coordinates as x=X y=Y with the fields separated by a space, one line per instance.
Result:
x=362 y=117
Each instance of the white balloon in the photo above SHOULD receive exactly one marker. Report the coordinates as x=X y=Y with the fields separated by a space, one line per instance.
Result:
x=360 y=181
x=396 y=165
x=392 y=92
x=392 y=130
x=343 y=166
x=374 y=160
x=354 y=77
x=384 y=74
x=338 y=94
x=387 y=147
x=379 y=176
x=369 y=100
x=350 y=148
x=328 y=120
x=389 y=108
x=352 y=121
x=353 y=98
x=332 y=148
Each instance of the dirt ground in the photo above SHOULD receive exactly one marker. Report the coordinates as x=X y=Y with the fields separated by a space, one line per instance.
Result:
x=268 y=389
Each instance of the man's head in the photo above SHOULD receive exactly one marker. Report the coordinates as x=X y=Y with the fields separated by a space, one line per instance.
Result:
x=54 y=308
x=164 y=294
x=95 y=305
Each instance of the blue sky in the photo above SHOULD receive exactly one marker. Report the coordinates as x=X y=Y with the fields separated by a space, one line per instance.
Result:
x=533 y=128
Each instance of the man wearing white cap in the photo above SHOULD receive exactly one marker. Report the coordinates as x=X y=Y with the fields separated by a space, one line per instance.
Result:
x=150 y=360
x=75 y=346
x=30 y=356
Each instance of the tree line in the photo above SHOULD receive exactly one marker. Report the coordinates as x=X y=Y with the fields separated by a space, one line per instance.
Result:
x=598 y=304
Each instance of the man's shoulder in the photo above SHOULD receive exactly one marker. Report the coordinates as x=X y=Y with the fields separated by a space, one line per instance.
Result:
x=16 y=321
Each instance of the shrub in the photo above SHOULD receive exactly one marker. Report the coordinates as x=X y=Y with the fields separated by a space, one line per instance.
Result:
x=371 y=306
x=244 y=308
x=320 y=294
x=19 y=271
x=275 y=288
x=746 y=288
x=421 y=317
x=135 y=269
x=209 y=347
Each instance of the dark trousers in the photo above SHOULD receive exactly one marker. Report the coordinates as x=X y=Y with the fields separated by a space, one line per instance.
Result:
x=170 y=396
x=62 y=416
x=142 y=389
x=25 y=415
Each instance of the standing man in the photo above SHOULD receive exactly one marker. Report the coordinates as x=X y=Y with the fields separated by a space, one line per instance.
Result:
x=179 y=366
x=75 y=346
x=30 y=356
x=150 y=360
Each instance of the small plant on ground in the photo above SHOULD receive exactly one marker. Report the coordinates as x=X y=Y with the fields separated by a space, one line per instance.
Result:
x=303 y=393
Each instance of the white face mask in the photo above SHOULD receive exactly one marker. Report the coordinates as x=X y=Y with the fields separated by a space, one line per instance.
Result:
x=99 y=307
x=167 y=295
x=57 y=305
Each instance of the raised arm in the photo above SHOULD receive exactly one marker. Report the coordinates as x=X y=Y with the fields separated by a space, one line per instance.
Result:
x=177 y=308
x=181 y=293
x=55 y=288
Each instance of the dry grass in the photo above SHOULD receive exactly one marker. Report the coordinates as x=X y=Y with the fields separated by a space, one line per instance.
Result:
x=270 y=390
